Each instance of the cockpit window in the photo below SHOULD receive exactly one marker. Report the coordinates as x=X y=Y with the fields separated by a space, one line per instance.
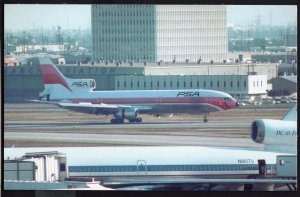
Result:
x=227 y=99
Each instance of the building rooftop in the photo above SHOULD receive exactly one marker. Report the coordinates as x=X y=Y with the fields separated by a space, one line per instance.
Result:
x=292 y=78
x=169 y=64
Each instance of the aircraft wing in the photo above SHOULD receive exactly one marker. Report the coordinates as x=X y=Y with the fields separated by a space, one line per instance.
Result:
x=88 y=108
x=93 y=108
x=99 y=108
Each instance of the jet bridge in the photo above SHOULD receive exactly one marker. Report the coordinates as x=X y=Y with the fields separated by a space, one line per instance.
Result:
x=37 y=166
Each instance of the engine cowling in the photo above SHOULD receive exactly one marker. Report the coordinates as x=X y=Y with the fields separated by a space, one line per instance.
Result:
x=127 y=113
x=82 y=84
x=274 y=132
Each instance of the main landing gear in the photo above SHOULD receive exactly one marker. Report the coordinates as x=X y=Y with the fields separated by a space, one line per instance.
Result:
x=205 y=117
x=117 y=121
x=135 y=120
x=121 y=120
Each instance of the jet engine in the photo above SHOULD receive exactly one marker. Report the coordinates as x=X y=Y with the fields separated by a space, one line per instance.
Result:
x=127 y=113
x=274 y=132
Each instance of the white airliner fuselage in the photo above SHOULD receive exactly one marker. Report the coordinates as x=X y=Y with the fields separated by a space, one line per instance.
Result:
x=110 y=164
x=79 y=95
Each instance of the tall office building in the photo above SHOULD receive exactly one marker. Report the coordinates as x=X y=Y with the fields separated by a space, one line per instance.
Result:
x=159 y=32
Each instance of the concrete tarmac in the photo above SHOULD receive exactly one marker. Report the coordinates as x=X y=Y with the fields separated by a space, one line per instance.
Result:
x=40 y=125
x=36 y=125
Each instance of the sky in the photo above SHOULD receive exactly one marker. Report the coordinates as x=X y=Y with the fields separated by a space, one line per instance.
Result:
x=18 y=16
x=27 y=16
x=274 y=14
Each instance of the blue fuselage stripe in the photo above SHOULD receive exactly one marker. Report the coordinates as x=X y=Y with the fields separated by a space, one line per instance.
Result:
x=158 y=168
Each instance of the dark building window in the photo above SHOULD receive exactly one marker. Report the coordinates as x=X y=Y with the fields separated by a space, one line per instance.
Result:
x=218 y=84
x=191 y=84
x=177 y=84
x=125 y=84
x=245 y=83
x=231 y=83
x=144 y=84
x=238 y=84
x=224 y=83
x=184 y=84
x=62 y=167
x=211 y=84
x=158 y=84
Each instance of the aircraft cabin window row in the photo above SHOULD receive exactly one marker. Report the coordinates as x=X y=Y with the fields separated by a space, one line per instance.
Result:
x=166 y=168
x=185 y=85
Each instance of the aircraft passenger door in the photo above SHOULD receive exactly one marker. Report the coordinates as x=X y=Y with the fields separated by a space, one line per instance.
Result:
x=141 y=167
x=262 y=167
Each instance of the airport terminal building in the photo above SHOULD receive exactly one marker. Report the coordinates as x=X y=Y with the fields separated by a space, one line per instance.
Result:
x=235 y=85
x=151 y=33
x=239 y=80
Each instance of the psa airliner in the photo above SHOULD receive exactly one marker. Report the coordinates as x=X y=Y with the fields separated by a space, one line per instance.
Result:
x=182 y=166
x=79 y=95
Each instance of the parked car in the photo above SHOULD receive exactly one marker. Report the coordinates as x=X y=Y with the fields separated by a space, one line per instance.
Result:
x=245 y=100
x=284 y=100
x=276 y=101
x=267 y=101
x=293 y=100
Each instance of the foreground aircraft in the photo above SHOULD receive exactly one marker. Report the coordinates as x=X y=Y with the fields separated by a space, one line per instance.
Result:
x=79 y=95
x=277 y=135
x=183 y=167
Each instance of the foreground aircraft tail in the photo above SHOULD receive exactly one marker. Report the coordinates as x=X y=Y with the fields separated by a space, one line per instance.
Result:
x=291 y=115
x=58 y=86
x=277 y=135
